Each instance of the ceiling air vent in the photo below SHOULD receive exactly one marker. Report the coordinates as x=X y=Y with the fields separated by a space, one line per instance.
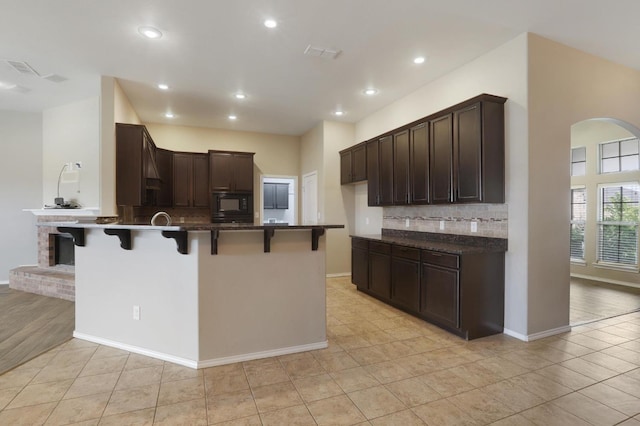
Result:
x=23 y=68
x=55 y=78
x=322 y=52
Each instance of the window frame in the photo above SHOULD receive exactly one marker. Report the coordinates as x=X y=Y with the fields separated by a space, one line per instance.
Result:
x=600 y=222
x=572 y=163
x=601 y=157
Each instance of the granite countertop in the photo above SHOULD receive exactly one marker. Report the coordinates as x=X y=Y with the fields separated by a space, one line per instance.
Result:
x=445 y=243
x=187 y=226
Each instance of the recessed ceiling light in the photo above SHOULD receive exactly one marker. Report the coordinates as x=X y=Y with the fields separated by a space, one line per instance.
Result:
x=419 y=60
x=150 y=32
x=163 y=86
x=169 y=115
x=371 y=91
x=233 y=117
x=240 y=95
x=338 y=113
x=270 y=23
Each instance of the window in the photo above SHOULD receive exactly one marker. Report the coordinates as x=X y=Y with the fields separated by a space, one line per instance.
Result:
x=578 y=220
x=578 y=161
x=618 y=224
x=619 y=156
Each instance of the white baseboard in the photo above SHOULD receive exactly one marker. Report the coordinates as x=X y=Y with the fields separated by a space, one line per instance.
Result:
x=341 y=274
x=205 y=363
x=539 y=335
x=137 y=350
x=606 y=280
x=264 y=354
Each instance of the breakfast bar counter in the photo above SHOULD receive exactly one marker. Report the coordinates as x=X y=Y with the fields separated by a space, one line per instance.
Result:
x=228 y=293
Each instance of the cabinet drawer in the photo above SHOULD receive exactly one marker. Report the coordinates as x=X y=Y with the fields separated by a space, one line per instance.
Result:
x=359 y=243
x=442 y=259
x=405 y=252
x=380 y=247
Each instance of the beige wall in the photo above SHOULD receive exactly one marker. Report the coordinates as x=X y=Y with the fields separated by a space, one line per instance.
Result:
x=275 y=154
x=123 y=110
x=590 y=134
x=339 y=200
x=71 y=133
x=21 y=188
x=566 y=86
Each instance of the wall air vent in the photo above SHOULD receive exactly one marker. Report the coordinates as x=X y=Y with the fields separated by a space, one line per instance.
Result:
x=23 y=68
x=322 y=52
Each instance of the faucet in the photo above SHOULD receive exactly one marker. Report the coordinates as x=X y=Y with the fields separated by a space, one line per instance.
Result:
x=163 y=214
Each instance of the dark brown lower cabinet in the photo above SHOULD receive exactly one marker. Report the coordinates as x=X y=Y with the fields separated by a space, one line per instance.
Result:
x=380 y=269
x=462 y=293
x=440 y=295
x=405 y=277
x=360 y=263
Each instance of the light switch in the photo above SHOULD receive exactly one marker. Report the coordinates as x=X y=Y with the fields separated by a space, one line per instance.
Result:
x=474 y=226
x=406 y=223
x=442 y=225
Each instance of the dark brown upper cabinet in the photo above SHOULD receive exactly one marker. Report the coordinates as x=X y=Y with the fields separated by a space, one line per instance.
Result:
x=190 y=179
x=441 y=159
x=353 y=164
x=478 y=152
x=164 y=161
x=419 y=158
x=380 y=171
x=231 y=171
x=401 y=168
x=137 y=176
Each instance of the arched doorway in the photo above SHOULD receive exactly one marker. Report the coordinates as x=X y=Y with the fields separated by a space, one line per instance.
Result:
x=605 y=207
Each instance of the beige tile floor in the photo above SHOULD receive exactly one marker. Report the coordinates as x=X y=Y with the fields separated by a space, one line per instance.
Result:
x=382 y=367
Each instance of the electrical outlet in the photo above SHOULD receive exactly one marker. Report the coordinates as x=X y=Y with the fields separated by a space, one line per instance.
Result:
x=406 y=223
x=366 y=220
x=442 y=225
x=181 y=219
x=474 y=226
x=136 y=312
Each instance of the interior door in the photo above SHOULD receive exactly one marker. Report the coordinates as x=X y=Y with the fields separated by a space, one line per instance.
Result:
x=310 y=198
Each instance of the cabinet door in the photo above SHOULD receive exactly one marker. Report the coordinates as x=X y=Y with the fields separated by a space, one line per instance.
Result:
x=440 y=295
x=405 y=283
x=380 y=274
x=359 y=163
x=182 y=175
x=200 y=180
x=282 y=196
x=441 y=157
x=221 y=171
x=129 y=163
x=386 y=170
x=345 y=167
x=164 y=160
x=359 y=267
x=269 y=195
x=373 y=173
x=401 y=168
x=467 y=148
x=419 y=142
x=243 y=172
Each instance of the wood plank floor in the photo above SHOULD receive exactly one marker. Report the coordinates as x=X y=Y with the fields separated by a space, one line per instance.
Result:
x=31 y=324
x=593 y=300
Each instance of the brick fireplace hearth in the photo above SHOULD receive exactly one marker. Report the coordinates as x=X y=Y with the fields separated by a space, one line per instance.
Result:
x=46 y=278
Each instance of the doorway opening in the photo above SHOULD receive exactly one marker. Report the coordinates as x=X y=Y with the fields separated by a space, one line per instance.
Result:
x=279 y=200
x=605 y=215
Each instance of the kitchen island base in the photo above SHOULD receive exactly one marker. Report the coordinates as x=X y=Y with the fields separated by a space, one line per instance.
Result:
x=198 y=309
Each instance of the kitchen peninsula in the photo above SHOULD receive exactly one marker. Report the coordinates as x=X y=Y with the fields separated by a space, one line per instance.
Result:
x=203 y=294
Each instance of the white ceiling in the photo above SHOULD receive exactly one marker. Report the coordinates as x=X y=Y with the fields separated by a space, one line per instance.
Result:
x=213 y=48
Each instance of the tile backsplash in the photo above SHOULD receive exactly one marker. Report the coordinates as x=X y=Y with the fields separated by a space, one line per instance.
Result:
x=491 y=220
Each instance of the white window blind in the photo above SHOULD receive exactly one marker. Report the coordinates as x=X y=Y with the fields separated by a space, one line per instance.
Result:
x=578 y=220
x=618 y=224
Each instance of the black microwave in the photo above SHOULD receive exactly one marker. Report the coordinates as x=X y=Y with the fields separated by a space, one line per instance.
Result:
x=231 y=207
